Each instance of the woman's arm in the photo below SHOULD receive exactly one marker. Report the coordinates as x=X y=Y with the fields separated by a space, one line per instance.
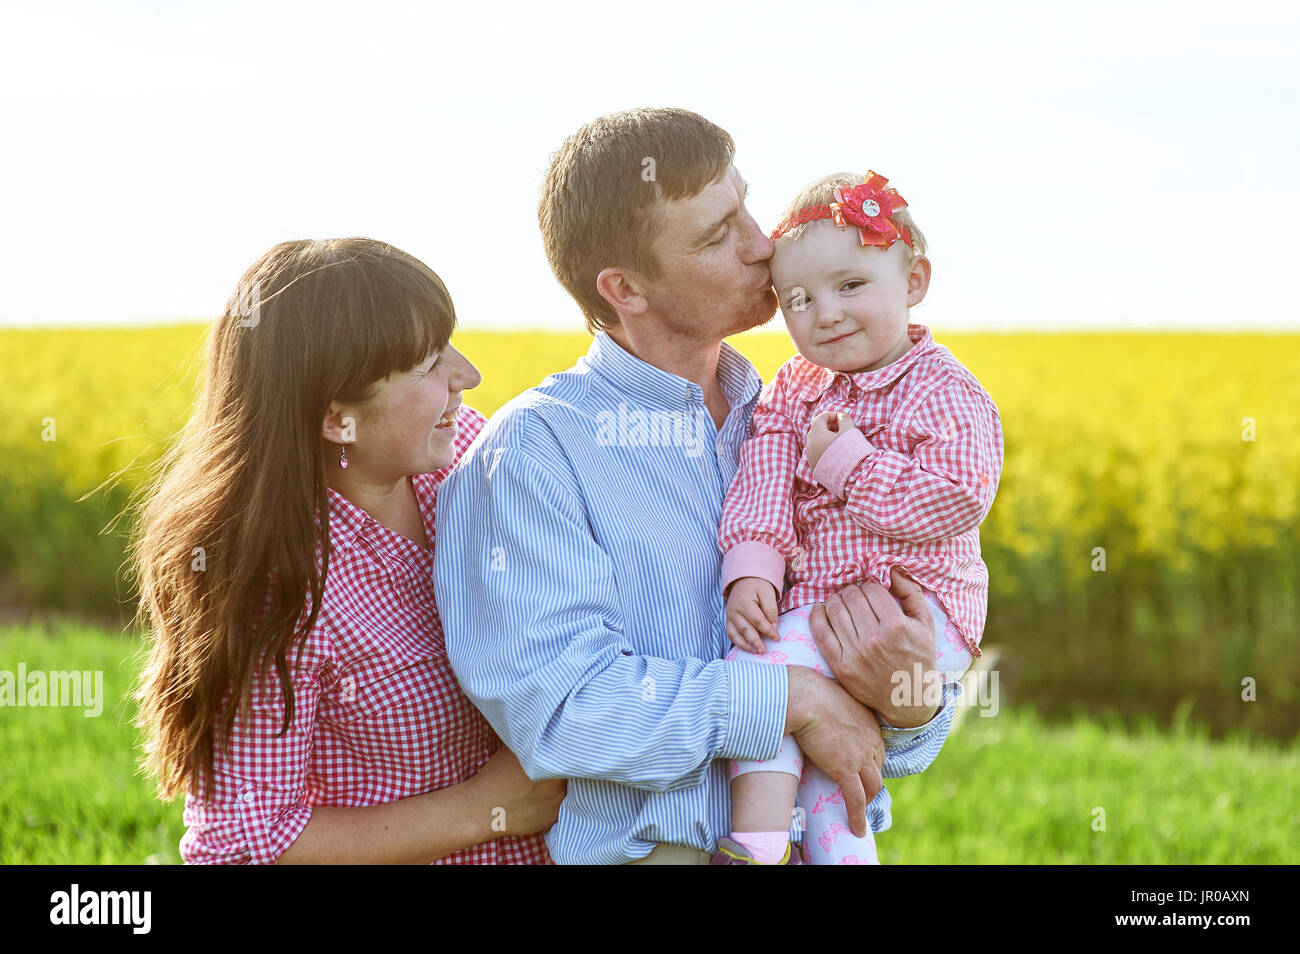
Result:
x=499 y=800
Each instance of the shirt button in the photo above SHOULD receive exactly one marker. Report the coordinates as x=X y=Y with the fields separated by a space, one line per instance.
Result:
x=248 y=796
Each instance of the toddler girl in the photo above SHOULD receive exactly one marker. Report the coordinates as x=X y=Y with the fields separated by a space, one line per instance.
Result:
x=872 y=448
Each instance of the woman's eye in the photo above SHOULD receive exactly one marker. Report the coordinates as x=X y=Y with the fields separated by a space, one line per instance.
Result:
x=720 y=238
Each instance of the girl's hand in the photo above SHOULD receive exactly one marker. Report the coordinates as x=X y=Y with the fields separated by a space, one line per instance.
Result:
x=751 y=613
x=822 y=432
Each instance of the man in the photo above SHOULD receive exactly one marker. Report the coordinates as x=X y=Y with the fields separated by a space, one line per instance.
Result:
x=578 y=576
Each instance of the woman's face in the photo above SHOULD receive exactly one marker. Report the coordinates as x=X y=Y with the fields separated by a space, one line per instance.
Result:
x=408 y=426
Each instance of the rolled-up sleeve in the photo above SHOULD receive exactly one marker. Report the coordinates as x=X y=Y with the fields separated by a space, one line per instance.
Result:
x=529 y=601
x=256 y=804
x=911 y=751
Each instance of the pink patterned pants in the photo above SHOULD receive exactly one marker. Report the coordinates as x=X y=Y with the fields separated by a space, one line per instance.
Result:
x=827 y=838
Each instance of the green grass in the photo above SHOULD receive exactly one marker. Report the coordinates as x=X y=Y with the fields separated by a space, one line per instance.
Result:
x=1010 y=790
x=70 y=792
x=1005 y=790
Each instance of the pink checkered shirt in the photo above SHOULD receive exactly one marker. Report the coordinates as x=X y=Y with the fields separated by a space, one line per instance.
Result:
x=378 y=714
x=908 y=487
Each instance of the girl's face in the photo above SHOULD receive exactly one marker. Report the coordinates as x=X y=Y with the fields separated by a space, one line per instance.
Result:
x=846 y=305
x=408 y=426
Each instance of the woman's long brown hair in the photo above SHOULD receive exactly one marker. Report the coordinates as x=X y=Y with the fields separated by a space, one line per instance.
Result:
x=230 y=554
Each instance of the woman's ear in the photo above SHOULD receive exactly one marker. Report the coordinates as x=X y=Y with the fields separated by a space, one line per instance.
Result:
x=622 y=289
x=918 y=280
x=340 y=425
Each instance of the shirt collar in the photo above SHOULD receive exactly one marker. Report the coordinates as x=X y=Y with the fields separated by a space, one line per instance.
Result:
x=812 y=381
x=659 y=388
x=347 y=520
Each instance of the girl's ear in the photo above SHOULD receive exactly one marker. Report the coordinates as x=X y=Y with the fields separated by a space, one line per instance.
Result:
x=918 y=280
x=340 y=424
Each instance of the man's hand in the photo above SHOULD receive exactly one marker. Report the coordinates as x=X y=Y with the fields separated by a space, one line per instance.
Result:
x=751 y=613
x=823 y=430
x=866 y=638
x=840 y=736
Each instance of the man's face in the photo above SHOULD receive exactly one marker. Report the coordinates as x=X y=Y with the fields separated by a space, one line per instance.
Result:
x=714 y=279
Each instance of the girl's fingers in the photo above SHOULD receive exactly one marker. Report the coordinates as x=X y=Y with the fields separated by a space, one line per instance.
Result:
x=767 y=604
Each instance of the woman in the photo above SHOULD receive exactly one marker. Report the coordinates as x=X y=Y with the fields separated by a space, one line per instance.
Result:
x=300 y=693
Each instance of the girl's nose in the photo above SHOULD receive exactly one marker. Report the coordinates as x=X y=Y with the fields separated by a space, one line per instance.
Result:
x=827 y=316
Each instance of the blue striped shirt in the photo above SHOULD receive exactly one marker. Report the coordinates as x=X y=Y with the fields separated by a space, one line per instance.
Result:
x=583 y=611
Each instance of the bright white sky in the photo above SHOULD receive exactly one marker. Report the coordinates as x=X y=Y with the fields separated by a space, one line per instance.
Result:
x=1084 y=165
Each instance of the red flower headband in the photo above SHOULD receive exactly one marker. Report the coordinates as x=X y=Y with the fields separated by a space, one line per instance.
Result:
x=868 y=205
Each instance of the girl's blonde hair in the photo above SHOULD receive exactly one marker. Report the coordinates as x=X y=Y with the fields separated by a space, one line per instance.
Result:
x=822 y=191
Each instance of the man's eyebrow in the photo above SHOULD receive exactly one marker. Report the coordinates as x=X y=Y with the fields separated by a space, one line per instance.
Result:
x=710 y=229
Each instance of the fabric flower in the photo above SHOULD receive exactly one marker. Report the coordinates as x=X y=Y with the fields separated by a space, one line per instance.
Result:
x=869 y=206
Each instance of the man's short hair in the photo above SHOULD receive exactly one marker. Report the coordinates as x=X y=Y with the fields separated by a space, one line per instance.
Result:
x=599 y=205
x=822 y=192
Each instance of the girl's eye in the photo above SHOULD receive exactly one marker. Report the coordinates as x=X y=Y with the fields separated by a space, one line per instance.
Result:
x=851 y=284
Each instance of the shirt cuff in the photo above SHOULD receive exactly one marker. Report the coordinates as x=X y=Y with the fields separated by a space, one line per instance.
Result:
x=758 y=693
x=752 y=558
x=840 y=458
x=893 y=736
x=272 y=820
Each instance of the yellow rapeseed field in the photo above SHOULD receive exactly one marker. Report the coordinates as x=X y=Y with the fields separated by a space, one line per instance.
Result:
x=1172 y=458
x=1192 y=439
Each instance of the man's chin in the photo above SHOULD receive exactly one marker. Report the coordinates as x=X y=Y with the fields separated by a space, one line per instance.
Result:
x=761 y=315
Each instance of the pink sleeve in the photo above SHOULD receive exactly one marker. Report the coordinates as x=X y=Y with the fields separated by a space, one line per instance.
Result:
x=945 y=489
x=257 y=802
x=756 y=532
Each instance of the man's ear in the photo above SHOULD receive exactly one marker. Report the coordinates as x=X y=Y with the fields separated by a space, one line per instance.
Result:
x=918 y=280
x=623 y=290
x=340 y=425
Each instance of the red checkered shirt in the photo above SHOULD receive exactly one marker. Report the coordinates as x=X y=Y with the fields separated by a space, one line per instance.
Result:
x=908 y=487
x=378 y=713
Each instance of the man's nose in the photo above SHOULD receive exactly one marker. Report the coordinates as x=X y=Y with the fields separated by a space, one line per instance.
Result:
x=758 y=246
